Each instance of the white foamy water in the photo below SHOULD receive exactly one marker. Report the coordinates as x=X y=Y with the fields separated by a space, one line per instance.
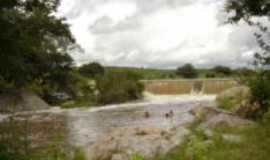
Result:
x=86 y=125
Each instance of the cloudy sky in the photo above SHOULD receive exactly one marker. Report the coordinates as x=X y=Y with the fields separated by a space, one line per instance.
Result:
x=157 y=33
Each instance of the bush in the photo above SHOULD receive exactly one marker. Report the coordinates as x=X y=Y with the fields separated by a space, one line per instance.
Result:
x=92 y=70
x=117 y=87
x=187 y=71
x=226 y=71
x=210 y=75
x=233 y=98
x=260 y=90
x=136 y=156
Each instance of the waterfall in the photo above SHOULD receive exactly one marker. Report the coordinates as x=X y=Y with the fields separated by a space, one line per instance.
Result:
x=197 y=88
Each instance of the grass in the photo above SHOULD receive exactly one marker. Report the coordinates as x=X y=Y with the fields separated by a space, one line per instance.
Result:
x=226 y=103
x=136 y=156
x=150 y=74
x=78 y=103
x=146 y=73
x=46 y=139
x=255 y=144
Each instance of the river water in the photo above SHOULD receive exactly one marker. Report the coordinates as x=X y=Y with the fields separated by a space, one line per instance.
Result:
x=86 y=125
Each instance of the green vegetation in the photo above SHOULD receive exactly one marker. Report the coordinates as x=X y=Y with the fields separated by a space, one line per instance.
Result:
x=254 y=144
x=146 y=73
x=260 y=87
x=223 y=71
x=232 y=99
x=187 y=71
x=79 y=154
x=116 y=87
x=91 y=70
x=34 y=45
x=152 y=74
x=16 y=142
x=255 y=141
x=226 y=103
x=259 y=83
x=136 y=156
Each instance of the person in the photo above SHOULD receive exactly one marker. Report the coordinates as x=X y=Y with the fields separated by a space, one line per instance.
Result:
x=170 y=114
x=146 y=114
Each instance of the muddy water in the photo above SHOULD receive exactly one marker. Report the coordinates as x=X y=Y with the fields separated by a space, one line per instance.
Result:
x=86 y=125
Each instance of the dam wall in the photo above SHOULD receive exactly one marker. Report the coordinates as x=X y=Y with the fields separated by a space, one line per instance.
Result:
x=188 y=86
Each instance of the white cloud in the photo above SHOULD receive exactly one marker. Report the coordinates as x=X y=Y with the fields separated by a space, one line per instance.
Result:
x=157 y=33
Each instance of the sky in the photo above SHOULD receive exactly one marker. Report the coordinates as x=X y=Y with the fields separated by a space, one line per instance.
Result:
x=157 y=33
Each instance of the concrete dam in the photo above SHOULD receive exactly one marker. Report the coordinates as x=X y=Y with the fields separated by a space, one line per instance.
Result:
x=188 y=86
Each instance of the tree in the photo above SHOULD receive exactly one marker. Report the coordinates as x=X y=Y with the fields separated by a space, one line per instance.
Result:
x=118 y=87
x=92 y=70
x=187 y=71
x=34 y=43
x=246 y=10
x=223 y=70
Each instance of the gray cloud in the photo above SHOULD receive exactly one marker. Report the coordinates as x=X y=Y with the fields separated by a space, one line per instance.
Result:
x=159 y=33
x=105 y=25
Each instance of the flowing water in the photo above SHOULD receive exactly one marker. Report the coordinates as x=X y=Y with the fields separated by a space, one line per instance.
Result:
x=87 y=125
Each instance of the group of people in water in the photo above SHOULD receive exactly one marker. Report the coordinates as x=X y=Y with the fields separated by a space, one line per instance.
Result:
x=167 y=115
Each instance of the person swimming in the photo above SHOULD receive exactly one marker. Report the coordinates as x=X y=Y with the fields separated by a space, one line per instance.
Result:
x=146 y=114
x=170 y=114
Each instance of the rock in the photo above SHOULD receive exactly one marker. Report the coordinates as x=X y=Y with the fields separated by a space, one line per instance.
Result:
x=212 y=117
x=228 y=137
x=225 y=119
x=249 y=111
x=147 y=141
x=232 y=138
x=232 y=99
x=201 y=113
x=21 y=101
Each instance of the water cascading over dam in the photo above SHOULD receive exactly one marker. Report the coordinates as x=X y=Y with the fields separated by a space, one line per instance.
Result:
x=188 y=86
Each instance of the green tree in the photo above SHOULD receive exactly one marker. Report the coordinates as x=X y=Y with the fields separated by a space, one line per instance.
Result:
x=92 y=69
x=246 y=10
x=226 y=71
x=117 y=87
x=187 y=71
x=34 y=43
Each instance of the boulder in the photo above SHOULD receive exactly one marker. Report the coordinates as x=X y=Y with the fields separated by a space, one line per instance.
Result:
x=202 y=113
x=146 y=141
x=212 y=117
x=232 y=99
x=225 y=119
x=233 y=138
x=21 y=101
x=249 y=111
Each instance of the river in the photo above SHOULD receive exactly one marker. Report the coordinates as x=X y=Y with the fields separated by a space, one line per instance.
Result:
x=87 y=124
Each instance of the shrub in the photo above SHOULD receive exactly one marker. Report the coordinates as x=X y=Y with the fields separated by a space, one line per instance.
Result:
x=136 y=156
x=116 y=87
x=233 y=98
x=226 y=71
x=187 y=71
x=79 y=154
x=92 y=70
x=260 y=90
x=210 y=75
